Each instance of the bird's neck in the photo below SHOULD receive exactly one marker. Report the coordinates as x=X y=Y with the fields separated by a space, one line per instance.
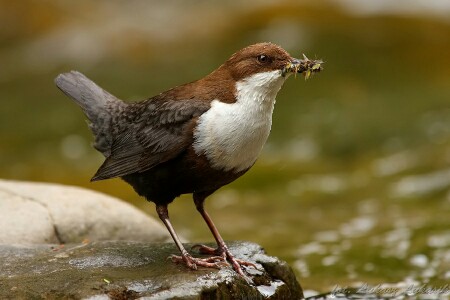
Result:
x=259 y=91
x=231 y=135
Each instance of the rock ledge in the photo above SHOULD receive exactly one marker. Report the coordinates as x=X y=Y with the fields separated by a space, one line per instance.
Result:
x=134 y=270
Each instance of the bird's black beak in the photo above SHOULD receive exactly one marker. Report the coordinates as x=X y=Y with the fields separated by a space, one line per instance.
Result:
x=303 y=66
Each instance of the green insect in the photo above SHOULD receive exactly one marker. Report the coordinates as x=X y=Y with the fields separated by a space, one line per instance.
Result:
x=305 y=66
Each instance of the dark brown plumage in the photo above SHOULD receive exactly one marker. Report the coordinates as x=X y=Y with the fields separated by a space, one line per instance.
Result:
x=194 y=138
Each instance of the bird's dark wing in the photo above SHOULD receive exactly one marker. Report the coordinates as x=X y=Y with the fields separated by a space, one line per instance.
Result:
x=155 y=131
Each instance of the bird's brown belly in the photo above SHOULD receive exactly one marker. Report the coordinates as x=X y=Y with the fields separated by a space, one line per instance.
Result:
x=188 y=173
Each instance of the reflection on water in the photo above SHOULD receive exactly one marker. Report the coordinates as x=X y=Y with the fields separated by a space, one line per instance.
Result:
x=354 y=183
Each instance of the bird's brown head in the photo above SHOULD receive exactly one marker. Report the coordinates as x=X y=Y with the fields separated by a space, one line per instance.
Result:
x=267 y=57
x=260 y=68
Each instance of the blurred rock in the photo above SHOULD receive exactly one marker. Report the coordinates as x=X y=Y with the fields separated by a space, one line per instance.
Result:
x=38 y=213
x=131 y=270
x=421 y=185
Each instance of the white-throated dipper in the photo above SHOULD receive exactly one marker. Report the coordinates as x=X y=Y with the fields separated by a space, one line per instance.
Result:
x=194 y=138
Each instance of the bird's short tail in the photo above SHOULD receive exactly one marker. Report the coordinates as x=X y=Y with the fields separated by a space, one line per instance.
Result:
x=97 y=104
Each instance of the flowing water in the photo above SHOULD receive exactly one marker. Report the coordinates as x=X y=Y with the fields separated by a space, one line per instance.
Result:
x=353 y=187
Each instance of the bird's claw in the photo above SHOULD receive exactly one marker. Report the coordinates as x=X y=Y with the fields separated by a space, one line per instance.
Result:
x=225 y=254
x=203 y=249
x=193 y=263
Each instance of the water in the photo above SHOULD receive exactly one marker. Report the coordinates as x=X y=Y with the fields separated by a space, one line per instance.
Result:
x=353 y=186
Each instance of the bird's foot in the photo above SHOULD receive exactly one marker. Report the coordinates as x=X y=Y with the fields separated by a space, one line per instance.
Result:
x=192 y=262
x=225 y=254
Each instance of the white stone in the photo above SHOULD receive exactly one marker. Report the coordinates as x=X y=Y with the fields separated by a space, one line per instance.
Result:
x=33 y=213
x=24 y=221
x=419 y=260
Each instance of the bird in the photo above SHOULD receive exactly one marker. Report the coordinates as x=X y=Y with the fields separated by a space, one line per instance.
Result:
x=191 y=139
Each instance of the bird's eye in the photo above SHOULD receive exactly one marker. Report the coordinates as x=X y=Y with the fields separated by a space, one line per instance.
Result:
x=263 y=58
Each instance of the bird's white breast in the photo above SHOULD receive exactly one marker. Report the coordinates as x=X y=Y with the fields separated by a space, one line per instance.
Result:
x=231 y=136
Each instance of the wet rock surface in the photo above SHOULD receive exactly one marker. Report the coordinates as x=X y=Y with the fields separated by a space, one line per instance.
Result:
x=133 y=270
x=41 y=213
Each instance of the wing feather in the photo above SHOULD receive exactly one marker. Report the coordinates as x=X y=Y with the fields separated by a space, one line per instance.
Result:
x=155 y=131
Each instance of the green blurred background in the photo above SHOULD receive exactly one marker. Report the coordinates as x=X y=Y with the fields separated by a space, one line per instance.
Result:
x=354 y=183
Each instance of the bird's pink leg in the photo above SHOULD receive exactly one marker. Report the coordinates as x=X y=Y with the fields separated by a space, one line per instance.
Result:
x=186 y=258
x=222 y=249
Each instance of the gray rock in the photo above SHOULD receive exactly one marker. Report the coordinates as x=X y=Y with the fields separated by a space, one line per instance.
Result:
x=37 y=213
x=24 y=221
x=133 y=270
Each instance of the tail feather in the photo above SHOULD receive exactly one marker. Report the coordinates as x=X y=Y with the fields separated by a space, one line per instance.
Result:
x=97 y=104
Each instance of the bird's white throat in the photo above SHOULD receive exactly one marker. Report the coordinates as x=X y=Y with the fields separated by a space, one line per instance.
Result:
x=231 y=136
